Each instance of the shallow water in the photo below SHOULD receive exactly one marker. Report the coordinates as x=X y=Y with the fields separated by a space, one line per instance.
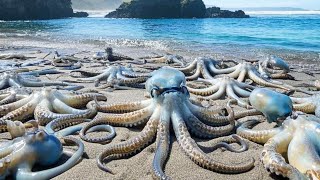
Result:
x=285 y=33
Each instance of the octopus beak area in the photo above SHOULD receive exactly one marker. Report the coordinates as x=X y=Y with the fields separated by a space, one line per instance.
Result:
x=156 y=92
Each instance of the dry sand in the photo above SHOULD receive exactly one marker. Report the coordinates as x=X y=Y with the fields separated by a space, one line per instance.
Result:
x=179 y=166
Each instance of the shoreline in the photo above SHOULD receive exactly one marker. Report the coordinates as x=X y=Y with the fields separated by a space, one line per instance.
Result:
x=139 y=48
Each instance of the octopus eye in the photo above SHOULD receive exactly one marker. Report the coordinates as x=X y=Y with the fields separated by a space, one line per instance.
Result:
x=155 y=92
x=184 y=90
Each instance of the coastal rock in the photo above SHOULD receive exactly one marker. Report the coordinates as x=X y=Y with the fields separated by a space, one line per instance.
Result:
x=192 y=9
x=35 y=9
x=171 y=9
x=80 y=14
x=147 y=9
x=216 y=12
x=160 y=9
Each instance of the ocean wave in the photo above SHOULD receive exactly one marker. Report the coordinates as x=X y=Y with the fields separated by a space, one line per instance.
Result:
x=283 y=12
x=134 y=43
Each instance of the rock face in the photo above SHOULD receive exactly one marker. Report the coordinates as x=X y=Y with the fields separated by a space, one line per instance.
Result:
x=160 y=9
x=35 y=9
x=171 y=9
x=216 y=12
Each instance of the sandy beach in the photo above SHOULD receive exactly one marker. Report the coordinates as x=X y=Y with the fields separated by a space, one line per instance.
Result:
x=139 y=167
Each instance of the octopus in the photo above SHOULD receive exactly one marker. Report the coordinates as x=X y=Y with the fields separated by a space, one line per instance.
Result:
x=118 y=77
x=109 y=55
x=307 y=104
x=208 y=69
x=275 y=67
x=290 y=150
x=202 y=67
x=169 y=106
x=48 y=104
x=36 y=148
x=168 y=59
x=13 y=79
x=274 y=106
x=221 y=86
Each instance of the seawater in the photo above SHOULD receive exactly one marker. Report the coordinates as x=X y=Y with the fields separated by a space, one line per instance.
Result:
x=285 y=32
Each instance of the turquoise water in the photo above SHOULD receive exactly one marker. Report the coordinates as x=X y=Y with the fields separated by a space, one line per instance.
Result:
x=291 y=32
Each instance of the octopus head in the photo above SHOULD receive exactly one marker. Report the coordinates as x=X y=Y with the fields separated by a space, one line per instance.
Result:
x=166 y=80
x=47 y=148
x=275 y=106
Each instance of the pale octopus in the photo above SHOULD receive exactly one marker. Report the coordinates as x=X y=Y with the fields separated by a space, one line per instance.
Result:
x=209 y=69
x=296 y=138
x=169 y=106
x=291 y=150
x=220 y=87
x=48 y=104
x=35 y=148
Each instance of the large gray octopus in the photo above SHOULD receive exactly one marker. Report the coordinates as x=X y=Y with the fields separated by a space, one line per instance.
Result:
x=169 y=105
x=36 y=147
x=48 y=104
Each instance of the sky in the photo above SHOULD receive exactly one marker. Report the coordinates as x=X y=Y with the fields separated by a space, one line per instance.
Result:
x=305 y=4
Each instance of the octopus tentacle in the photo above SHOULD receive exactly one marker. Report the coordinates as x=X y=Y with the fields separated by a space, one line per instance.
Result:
x=130 y=146
x=63 y=108
x=22 y=113
x=224 y=142
x=305 y=107
x=162 y=145
x=241 y=92
x=14 y=83
x=3 y=84
x=231 y=93
x=272 y=159
x=206 y=91
x=250 y=112
x=124 y=107
x=191 y=149
x=4 y=109
x=210 y=118
x=202 y=130
x=215 y=70
x=242 y=75
x=79 y=99
x=261 y=136
x=189 y=68
x=9 y=99
x=217 y=94
x=263 y=82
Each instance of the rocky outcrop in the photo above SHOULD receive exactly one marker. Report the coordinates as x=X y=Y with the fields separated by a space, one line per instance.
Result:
x=35 y=9
x=192 y=9
x=160 y=9
x=171 y=9
x=147 y=9
x=80 y=14
x=216 y=12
